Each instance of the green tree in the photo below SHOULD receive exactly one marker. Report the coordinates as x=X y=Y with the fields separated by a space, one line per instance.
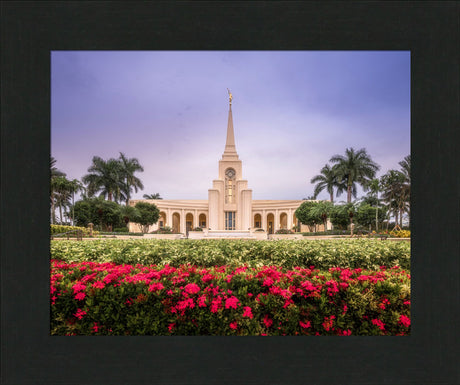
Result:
x=60 y=186
x=152 y=196
x=373 y=195
x=148 y=214
x=342 y=215
x=130 y=181
x=405 y=170
x=356 y=167
x=327 y=180
x=105 y=215
x=54 y=173
x=74 y=186
x=393 y=194
x=105 y=177
x=323 y=210
x=366 y=215
x=307 y=214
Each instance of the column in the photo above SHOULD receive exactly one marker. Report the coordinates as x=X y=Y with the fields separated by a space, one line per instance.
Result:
x=182 y=221
x=277 y=221
x=264 y=221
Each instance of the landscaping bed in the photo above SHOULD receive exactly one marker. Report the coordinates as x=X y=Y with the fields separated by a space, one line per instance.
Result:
x=93 y=298
x=323 y=254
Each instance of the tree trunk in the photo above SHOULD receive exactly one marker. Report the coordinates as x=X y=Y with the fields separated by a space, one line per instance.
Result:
x=332 y=197
x=53 y=213
x=348 y=194
x=60 y=213
x=109 y=196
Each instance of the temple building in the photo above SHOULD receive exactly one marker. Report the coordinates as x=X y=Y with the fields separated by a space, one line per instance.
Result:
x=229 y=207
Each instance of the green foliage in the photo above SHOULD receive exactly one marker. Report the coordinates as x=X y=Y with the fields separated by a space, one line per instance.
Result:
x=148 y=214
x=340 y=215
x=365 y=215
x=103 y=214
x=59 y=229
x=284 y=231
x=307 y=214
x=353 y=253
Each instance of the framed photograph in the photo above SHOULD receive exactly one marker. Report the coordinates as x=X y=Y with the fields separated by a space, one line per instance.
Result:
x=223 y=121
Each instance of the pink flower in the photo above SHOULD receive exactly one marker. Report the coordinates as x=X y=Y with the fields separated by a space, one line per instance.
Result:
x=216 y=304
x=248 y=312
x=403 y=320
x=268 y=321
x=202 y=301
x=233 y=325
x=192 y=288
x=378 y=323
x=98 y=285
x=406 y=303
x=305 y=325
x=80 y=296
x=345 y=333
x=231 y=302
x=328 y=323
x=157 y=286
x=345 y=308
x=95 y=327
x=78 y=287
x=268 y=282
x=80 y=313
x=171 y=326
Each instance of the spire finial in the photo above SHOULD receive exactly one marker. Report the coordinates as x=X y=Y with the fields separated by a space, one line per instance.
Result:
x=230 y=96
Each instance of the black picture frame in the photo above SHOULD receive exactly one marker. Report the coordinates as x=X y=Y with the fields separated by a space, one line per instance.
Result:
x=30 y=30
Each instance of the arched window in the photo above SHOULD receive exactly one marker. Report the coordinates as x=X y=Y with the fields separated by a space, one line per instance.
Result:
x=230 y=185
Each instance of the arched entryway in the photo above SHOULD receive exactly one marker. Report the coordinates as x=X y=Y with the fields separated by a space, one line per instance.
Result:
x=257 y=221
x=162 y=220
x=176 y=222
x=188 y=223
x=283 y=221
x=270 y=223
x=295 y=223
x=202 y=220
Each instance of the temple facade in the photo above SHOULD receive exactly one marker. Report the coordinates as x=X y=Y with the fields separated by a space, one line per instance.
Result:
x=229 y=207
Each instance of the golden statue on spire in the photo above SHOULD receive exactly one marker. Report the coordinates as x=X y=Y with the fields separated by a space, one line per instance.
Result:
x=230 y=96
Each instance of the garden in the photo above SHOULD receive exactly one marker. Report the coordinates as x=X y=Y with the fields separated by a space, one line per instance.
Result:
x=230 y=287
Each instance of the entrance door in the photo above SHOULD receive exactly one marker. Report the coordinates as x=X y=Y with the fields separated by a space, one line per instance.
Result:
x=230 y=220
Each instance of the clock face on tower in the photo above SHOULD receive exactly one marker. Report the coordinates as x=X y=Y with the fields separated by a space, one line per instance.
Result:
x=230 y=173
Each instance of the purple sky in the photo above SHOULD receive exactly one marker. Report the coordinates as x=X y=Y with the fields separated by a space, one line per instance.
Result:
x=292 y=111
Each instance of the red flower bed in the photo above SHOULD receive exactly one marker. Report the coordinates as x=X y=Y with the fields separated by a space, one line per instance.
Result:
x=89 y=298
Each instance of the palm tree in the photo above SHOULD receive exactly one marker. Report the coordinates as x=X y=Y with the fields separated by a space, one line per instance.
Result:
x=74 y=186
x=54 y=172
x=374 y=189
x=354 y=167
x=129 y=167
x=405 y=170
x=152 y=196
x=393 y=193
x=327 y=179
x=61 y=196
x=106 y=177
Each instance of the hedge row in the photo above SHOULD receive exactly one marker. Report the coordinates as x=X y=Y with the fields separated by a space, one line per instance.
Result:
x=353 y=253
x=91 y=298
x=59 y=229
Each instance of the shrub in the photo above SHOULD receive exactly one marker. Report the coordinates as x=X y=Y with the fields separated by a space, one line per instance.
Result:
x=163 y=230
x=197 y=229
x=400 y=233
x=224 y=301
x=120 y=230
x=59 y=229
x=352 y=253
x=284 y=231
